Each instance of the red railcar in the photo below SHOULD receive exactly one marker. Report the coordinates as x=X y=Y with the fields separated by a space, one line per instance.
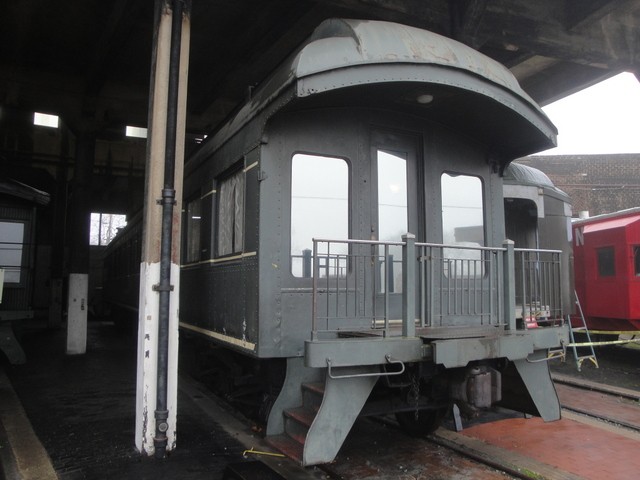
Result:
x=607 y=269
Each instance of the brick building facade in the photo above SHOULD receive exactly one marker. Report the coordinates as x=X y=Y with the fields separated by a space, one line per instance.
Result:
x=596 y=183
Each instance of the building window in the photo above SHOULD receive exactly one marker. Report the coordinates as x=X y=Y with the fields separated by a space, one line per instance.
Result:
x=104 y=227
x=194 y=220
x=462 y=224
x=319 y=209
x=231 y=214
x=11 y=249
x=606 y=261
x=636 y=261
x=135 y=132
x=45 y=120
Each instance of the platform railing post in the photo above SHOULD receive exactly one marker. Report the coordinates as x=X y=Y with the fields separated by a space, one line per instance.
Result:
x=409 y=285
x=509 y=289
x=314 y=292
x=523 y=284
x=306 y=263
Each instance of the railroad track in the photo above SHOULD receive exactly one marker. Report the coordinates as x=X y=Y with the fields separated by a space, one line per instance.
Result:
x=373 y=451
x=381 y=450
x=614 y=405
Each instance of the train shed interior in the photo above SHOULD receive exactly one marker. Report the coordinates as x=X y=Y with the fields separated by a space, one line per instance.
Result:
x=88 y=64
x=75 y=103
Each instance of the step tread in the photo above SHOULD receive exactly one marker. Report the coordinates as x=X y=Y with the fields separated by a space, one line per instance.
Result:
x=302 y=415
x=297 y=437
x=315 y=387
x=288 y=446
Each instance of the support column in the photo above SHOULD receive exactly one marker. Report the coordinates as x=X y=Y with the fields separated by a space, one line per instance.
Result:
x=150 y=358
x=77 y=300
x=59 y=229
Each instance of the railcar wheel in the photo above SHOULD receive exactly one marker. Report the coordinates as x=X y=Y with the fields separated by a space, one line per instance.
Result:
x=424 y=423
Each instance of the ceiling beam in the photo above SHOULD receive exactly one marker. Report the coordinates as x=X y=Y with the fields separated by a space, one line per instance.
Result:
x=587 y=12
x=466 y=18
x=613 y=45
x=560 y=79
x=124 y=18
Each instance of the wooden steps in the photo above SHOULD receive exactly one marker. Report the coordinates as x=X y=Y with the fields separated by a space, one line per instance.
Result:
x=288 y=446
x=297 y=422
x=314 y=411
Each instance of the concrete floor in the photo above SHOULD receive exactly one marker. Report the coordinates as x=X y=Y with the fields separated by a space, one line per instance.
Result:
x=82 y=412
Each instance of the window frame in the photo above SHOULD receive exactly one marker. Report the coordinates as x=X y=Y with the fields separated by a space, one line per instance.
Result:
x=484 y=203
x=349 y=201
x=192 y=251
x=24 y=251
x=606 y=254
x=99 y=233
x=390 y=268
x=484 y=271
x=236 y=172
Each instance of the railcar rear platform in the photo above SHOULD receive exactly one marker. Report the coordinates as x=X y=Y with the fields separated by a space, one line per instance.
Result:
x=81 y=409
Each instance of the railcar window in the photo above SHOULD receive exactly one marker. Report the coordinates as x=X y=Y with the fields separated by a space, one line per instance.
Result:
x=606 y=261
x=392 y=196
x=393 y=216
x=11 y=246
x=636 y=260
x=319 y=209
x=194 y=220
x=462 y=224
x=231 y=214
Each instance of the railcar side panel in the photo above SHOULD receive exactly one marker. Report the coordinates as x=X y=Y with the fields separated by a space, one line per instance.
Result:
x=285 y=322
x=122 y=267
x=556 y=234
x=219 y=296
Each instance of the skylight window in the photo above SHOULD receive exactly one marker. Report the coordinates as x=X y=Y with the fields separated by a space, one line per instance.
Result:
x=136 y=132
x=45 y=120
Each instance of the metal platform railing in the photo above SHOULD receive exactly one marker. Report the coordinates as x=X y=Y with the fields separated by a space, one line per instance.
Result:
x=463 y=285
x=376 y=287
x=538 y=286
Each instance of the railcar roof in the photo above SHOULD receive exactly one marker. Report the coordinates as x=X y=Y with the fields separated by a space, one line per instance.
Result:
x=340 y=43
x=525 y=175
x=611 y=224
x=338 y=52
x=518 y=174
x=611 y=220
